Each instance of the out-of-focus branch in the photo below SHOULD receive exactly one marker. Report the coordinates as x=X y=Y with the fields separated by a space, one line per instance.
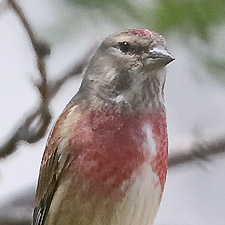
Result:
x=41 y=49
x=198 y=152
x=31 y=134
x=34 y=127
x=18 y=209
x=10 y=213
x=41 y=116
x=76 y=70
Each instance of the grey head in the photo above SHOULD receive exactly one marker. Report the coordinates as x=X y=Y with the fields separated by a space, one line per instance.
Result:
x=128 y=69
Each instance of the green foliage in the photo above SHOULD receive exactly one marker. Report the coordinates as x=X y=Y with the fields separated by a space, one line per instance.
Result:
x=109 y=8
x=192 y=15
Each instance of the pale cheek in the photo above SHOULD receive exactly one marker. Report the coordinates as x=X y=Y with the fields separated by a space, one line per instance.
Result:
x=149 y=142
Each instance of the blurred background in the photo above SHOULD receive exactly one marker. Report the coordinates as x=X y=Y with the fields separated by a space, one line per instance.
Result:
x=194 y=95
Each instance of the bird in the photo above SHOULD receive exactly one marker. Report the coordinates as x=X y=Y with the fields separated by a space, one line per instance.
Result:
x=105 y=161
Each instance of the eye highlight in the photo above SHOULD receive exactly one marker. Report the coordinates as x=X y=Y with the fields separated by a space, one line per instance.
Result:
x=131 y=49
x=124 y=46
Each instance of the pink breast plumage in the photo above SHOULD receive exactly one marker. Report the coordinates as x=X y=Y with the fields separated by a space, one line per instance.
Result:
x=109 y=148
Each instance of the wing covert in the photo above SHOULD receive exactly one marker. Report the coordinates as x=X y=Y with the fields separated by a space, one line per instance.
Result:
x=54 y=162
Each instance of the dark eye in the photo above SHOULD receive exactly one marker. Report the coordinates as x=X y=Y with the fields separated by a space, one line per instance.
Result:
x=124 y=46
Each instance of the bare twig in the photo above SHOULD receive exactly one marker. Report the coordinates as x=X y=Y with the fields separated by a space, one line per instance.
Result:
x=36 y=124
x=41 y=49
x=198 y=152
x=42 y=114
x=27 y=131
x=76 y=70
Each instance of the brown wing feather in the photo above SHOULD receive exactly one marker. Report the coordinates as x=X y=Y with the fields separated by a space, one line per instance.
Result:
x=54 y=162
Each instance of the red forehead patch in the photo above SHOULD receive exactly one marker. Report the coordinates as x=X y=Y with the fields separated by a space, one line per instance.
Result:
x=140 y=32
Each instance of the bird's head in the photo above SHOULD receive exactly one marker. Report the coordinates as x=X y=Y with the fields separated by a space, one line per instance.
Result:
x=128 y=66
x=137 y=49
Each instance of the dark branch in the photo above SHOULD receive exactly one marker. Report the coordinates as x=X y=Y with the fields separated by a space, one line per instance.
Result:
x=41 y=116
x=198 y=152
x=28 y=131
x=76 y=70
x=34 y=127
x=41 y=49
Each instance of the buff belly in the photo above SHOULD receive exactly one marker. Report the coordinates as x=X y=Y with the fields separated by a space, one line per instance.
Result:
x=71 y=205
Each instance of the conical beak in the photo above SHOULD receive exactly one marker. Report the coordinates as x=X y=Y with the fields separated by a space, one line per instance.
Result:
x=161 y=55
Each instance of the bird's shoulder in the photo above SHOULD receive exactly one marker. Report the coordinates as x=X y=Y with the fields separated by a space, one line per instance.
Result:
x=55 y=160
